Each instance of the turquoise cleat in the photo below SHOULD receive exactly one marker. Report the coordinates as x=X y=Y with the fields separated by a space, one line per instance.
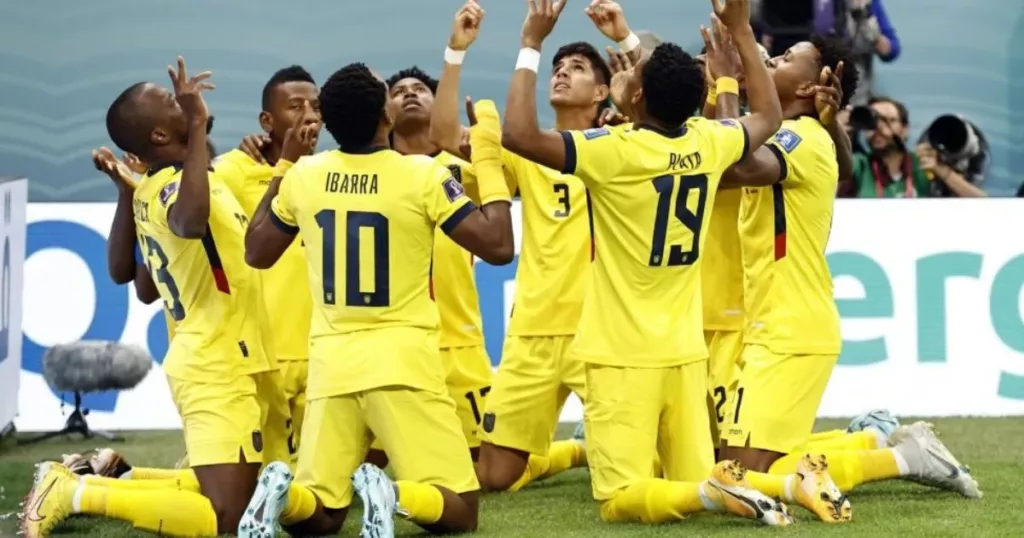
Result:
x=879 y=419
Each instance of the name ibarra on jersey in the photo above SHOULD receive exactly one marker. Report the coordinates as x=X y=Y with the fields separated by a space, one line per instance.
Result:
x=680 y=162
x=350 y=183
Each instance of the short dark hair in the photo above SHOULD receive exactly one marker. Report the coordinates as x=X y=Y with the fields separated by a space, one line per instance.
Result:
x=588 y=51
x=127 y=126
x=416 y=73
x=673 y=83
x=351 y=102
x=901 y=109
x=292 y=73
x=833 y=49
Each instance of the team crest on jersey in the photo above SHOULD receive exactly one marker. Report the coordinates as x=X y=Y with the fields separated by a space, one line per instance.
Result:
x=453 y=189
x=729 y=123
x=788 y=140
x=167 y=192
x=598 y=132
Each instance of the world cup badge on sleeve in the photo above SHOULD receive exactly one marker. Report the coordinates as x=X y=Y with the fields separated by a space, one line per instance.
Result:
x=453 y=189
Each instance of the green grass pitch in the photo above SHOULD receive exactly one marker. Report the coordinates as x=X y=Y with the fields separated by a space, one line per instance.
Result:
x=562 y=507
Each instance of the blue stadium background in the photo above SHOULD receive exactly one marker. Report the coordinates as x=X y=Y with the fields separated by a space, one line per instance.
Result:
x=63 y=61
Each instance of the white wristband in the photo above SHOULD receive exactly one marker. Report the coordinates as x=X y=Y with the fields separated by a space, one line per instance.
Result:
x=528 y=59
x=454 y=57
x=629 y=44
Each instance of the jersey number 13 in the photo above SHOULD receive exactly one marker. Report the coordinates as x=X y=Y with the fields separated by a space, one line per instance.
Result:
x=682 y=186
x=355 y=221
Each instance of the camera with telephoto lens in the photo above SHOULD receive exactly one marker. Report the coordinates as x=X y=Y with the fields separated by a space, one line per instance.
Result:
x=863 y=118
x=955 y=139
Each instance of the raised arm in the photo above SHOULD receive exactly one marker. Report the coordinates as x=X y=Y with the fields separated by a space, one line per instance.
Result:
x=487 y=233
x=609 y=17
x=190 y=214
x=722 y=65
x=828 y=98
x=521 y=132
x=445 y=129
x=765 y=116
x=270 y=233
x=121 y=240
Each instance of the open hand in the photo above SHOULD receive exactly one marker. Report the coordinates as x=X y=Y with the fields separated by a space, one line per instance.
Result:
x=721 y=59
x=540 y=21
x=735 y=14
x=301 y=139
x=119 y=172
x=466 y=26
x=622 y=69
x=611 y=118
x=134 y=163
x=609 y=18
x=828 y=94
x=188 y=91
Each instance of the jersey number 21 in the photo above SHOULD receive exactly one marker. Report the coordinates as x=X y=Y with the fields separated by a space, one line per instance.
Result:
x=354 y=222
x=682 y=186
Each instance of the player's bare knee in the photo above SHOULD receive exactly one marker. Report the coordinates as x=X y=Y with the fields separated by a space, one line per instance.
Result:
x=500 y=468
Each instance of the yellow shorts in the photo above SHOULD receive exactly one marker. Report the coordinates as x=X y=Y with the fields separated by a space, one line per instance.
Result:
x=219 y=420
x=777 y=399
x=632 y=414
x=724 y=349
x=469 y=382
x=418 y=430
x=275 y=417
x=294 y=376
x=530 y=387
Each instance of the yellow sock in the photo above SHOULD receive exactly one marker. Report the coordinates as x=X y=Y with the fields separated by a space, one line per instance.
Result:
x=168 y=512
x=862 y=440
x=851 y=468
x=655 y=501
x=779 y=486
x=300 y=507
x=562 y=456
x=150 y=473
x=185 y=483
x=422 y=503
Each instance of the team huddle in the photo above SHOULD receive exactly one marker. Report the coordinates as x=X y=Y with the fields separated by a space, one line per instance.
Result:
x=324 y=319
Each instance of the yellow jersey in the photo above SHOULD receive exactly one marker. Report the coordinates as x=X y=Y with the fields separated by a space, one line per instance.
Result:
x=285 y=286
x=722 y=265
x=556 y=249
x=368 y=223
x=168 y=320
x=452 y=278
x=784 y=229
x=653 y=195
x=214 y=298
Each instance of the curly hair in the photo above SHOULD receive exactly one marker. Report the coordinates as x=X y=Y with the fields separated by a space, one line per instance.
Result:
x=588 y=51
x=416 y=73
x=673 y=83
x=833 y=49
x=351 y=102
x=292 y=73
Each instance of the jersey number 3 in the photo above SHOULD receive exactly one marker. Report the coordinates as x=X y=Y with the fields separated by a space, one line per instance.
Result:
x=355 y=222
x=692 y=220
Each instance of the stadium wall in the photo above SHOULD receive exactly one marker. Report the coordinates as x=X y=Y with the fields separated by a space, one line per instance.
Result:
x=931 y=309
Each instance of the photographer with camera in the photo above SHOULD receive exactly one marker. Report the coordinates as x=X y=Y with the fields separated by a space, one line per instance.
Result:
x=884 y=168
x=871 y=33
x=954 y=153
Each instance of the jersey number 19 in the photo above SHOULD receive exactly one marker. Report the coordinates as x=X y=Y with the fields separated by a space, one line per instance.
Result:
x=354 y=223
x=682 y=186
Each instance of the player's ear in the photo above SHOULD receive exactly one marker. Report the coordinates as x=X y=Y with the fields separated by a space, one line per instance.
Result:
x=387 y=117
x=266 y=122
x=159 y=136
x=602 y=93
x=637 y=97
x=806 y=90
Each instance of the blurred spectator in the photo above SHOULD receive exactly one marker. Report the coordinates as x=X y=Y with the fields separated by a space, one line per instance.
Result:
x=885 y=169
x=954 y=152
x=872 y=35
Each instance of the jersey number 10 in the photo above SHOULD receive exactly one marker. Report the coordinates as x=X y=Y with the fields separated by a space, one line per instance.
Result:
x=692 y=220
x=356 y=221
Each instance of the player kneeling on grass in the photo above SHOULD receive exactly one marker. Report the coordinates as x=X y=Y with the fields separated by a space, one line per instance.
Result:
x=652 y=189
x=367 y=215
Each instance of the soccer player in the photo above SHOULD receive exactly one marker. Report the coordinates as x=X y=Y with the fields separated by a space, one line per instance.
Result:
x=792 y=339
x=453 y=281
x=289 y=97
x=535 y=375
x=192 y=232
x=640 y=338
x=368 y=215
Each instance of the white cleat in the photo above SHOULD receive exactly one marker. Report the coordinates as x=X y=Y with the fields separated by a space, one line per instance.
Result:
x=733 y=492
x=260 y=519
x=380 y=502
x=930 y=463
